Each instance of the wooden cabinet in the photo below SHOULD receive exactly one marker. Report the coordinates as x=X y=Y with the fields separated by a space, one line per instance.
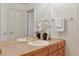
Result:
x=53 y=54
x=57 y=49
x=61 y=44
x=42 y=52
x=52 y=48
x=58 y=53
x=61 y=52
x=29 y=54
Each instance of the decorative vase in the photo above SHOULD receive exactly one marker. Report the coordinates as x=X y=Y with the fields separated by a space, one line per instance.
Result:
x=44 y=36
x=38 y=35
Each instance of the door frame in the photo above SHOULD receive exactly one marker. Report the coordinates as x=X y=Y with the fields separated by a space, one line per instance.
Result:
x=27 y=19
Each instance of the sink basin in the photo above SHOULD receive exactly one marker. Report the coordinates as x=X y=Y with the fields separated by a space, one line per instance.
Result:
x=38 y=43
x=24 y=39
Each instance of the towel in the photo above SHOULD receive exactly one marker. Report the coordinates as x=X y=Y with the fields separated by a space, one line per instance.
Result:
x=59 y=24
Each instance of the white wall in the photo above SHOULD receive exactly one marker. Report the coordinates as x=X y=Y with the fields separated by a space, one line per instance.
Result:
x=67 y=11
x=13 y=19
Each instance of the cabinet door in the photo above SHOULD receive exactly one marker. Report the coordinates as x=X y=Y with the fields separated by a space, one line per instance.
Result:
x=58 y=53
x=29 y=54
x=61 y=44
x=61 y=52
x=52 y=48
x=53 y=54
x=42 y=52
x=39 y=52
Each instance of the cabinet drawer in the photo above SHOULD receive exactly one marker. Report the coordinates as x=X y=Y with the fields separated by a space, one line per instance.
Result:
x=52 y=48
x=61 y=44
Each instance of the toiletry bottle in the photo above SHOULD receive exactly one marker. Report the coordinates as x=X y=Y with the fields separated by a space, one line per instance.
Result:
x=49 y=37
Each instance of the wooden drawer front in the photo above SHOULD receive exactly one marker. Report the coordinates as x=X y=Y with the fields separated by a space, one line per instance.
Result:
x=42 y=52
x=61 y=52
x=52 y=48
x=61 y=44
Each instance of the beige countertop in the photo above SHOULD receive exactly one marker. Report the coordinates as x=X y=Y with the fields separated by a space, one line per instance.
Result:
x=15 y=48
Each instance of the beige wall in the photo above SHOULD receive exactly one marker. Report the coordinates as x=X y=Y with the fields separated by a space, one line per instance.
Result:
x=67 y=11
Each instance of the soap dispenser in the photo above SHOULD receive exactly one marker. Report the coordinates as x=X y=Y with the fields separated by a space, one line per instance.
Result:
x=49 y=37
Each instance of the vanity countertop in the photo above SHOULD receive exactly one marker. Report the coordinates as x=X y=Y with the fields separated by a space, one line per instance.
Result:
x=14 y=48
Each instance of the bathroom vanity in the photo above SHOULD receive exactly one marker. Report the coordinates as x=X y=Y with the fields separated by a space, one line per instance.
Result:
x=56 y=47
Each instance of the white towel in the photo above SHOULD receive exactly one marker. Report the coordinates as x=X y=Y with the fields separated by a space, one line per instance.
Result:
x=59 y=24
